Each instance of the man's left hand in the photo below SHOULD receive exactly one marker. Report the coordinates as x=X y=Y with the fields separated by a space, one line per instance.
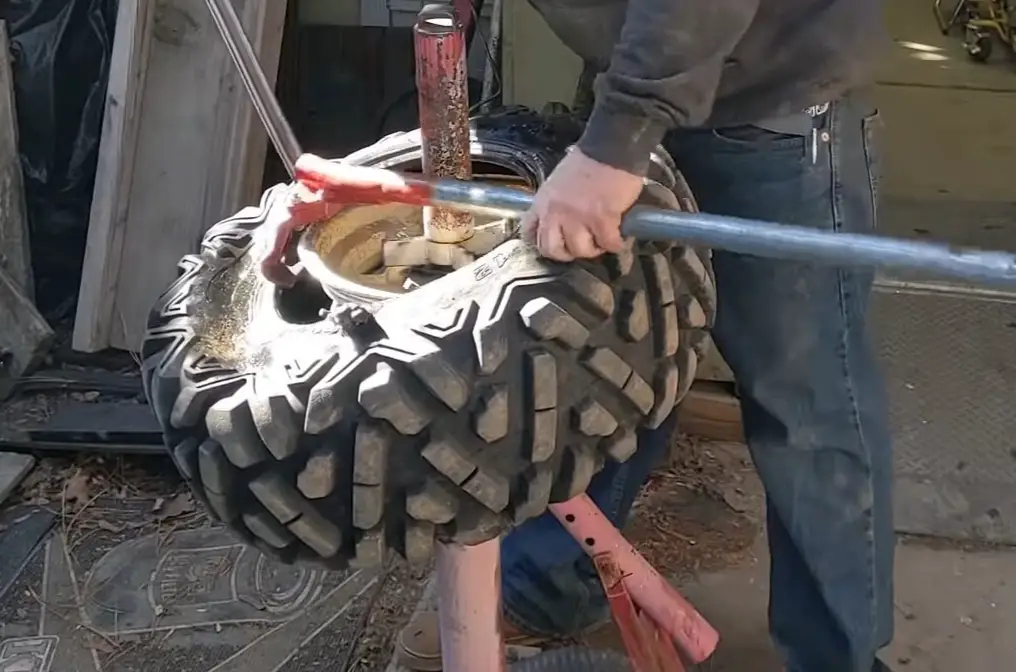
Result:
x=576 y=213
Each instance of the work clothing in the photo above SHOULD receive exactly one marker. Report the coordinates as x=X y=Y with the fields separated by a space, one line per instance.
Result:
x=813 y=402
x=720 y=63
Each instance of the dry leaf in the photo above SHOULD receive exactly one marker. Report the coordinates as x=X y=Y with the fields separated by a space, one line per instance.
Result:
x=177 y=506
x=76 y=489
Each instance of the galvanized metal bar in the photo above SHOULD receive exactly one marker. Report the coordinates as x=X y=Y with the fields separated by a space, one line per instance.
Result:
x=764 y=239
x=442 y=86
x=261 y=93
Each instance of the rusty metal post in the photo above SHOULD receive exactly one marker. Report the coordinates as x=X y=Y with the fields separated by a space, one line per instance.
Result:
x=469 y=607
x=442 y=86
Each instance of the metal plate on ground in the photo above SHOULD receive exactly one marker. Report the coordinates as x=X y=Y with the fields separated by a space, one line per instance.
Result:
x=129 y=596
x=23 y=529
x=950 y=363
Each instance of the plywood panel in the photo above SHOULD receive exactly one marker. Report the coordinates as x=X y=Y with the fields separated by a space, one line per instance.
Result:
x=15 y=255
x=197 y=156
x=114 y=171
x=537 y=68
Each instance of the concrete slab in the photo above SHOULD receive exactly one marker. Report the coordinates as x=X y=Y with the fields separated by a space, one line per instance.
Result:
x=948 y=150
x=946 y=144
x=955 y=610
x=920 y=55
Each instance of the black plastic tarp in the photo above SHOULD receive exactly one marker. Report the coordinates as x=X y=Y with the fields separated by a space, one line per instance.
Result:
x=61 y=52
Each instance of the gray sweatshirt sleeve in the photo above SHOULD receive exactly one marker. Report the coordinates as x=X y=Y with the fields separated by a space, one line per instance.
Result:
x=663 y=74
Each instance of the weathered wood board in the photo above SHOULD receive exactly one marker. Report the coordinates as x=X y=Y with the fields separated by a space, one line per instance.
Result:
x=197 y=154
x=13 y=469
x=15 y=255
x=114 y=172
x=24 y=337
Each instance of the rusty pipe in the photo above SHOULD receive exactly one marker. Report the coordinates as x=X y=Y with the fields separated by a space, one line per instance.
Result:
x=442 y=86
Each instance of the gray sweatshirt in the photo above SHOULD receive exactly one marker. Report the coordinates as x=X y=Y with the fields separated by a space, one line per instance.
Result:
x=685 y=63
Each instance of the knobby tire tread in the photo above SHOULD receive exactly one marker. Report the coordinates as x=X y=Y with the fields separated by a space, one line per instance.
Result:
x=508 y=391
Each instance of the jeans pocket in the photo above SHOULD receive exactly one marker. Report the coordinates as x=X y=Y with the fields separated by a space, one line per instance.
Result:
x=871 y=127
x=752 y=138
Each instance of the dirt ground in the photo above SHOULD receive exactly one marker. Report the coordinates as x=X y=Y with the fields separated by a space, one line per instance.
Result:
x=701 y=514
x=698 y=521
x=698 y=514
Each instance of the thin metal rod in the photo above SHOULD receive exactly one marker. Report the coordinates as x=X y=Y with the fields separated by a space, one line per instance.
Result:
x=261 y=93
x=764 y=239
x=492 y=62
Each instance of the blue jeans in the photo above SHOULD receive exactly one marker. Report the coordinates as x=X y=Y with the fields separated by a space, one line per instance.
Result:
x=814 y=408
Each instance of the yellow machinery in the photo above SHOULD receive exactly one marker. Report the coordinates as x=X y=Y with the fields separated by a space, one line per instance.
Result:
x=983 y=21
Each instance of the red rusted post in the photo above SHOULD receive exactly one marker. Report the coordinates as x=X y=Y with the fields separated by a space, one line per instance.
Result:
x=442 y=86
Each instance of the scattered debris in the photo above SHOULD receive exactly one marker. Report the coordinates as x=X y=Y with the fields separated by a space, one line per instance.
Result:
x=683 y=521
x=76 y=491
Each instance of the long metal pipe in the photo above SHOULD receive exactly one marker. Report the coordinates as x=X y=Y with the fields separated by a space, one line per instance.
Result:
x=764 y=239
x=261 y=93
x=358 y=184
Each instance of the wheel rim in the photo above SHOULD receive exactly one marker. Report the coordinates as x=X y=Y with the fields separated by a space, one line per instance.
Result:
x=345 y=253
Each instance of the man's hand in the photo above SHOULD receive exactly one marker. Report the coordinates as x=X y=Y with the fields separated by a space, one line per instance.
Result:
x=576 y=213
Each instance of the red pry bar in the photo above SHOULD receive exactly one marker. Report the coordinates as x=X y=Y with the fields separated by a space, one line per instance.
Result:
x=343 y=183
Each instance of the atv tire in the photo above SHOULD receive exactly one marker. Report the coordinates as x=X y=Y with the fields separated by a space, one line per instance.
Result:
x=333 y=428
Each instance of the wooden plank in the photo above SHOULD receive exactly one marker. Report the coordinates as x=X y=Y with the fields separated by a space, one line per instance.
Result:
x=528 y=47
x=714 y=368
x=25 y=336
x=13 y=469
x=115 y=170
x=711 y=411
x=15 y=256
x=81 y=380
x=103 y=420
x=23 y=529
x=102 y=426
x=178 y=157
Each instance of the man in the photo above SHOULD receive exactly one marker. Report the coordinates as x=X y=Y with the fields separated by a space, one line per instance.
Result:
x=761 y=105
